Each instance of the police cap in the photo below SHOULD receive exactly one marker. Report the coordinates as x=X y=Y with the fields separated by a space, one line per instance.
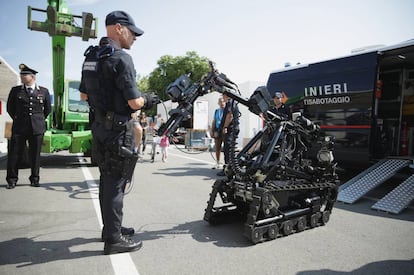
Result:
x=124 y=19
x=24 y=69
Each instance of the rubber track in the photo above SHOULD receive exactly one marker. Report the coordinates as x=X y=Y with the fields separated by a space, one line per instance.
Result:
x=273 y=230
x=286 y=227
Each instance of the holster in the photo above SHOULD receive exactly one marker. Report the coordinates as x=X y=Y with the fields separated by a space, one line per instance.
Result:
x=130 y=160
x=121 y=164
x=120 y=159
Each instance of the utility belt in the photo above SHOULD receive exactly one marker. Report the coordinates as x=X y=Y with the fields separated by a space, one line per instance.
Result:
x=119 y=157
x=111 y=120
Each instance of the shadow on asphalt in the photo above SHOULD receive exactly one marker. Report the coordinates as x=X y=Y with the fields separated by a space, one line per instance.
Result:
x=382 y=267
x=364 y=207
x=64 y=161
x=55 y=161
x=225 y=235
x=207 y=173
x=28 y=251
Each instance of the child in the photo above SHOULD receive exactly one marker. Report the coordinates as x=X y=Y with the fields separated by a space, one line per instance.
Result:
x=154 y=143
x=164 y=143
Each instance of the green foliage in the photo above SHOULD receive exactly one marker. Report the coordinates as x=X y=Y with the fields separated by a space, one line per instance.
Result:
x=143 y=84
x=170 y=68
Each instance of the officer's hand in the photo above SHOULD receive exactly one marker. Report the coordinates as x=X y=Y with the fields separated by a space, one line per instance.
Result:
x=150 y=100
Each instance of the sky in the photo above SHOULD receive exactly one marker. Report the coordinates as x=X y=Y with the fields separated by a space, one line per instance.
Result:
x=246 y=39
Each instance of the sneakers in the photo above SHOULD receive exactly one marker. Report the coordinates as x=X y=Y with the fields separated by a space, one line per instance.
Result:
x=217 y=166
x=121 y=245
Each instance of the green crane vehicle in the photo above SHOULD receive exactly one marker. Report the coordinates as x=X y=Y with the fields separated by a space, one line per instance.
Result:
x=68 y=123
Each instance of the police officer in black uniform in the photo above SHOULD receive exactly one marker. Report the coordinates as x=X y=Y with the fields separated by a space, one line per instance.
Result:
x=89 y=91
x=28 y=105
x=111 y=80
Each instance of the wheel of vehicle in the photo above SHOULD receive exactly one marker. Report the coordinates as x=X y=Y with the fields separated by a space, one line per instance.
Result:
x=313 y=221
x=287 y=227
x=301 y=224
x=257 y=235
x=272 y=232
x=325 y=217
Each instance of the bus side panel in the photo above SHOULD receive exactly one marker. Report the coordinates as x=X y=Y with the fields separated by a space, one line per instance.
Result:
x=337 y=94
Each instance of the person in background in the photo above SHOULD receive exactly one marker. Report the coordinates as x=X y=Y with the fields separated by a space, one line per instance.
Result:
x=28 y=105
x=155 y=141
x=164 y=144
x=143 y=120
x=138 y=132
x=158 y=121
x=217 y=132
x=230 y=115
x=280 y=108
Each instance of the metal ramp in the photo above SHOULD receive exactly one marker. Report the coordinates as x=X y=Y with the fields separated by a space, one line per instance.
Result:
x=398 y=199
x=371 y=178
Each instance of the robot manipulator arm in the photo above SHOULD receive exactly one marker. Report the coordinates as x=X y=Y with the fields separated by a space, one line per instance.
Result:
x=259 y=102
x=185 y=94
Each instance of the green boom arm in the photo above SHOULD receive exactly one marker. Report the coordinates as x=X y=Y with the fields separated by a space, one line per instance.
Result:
x=60 y=23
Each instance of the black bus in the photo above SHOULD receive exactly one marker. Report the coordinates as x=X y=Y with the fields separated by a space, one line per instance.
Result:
x=365 y=100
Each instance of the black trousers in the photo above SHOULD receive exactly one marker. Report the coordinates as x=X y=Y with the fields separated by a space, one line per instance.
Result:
x=111 y=200
x=111 y=183
x=17 y=147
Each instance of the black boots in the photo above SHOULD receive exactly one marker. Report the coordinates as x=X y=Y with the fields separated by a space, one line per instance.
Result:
x=35 y=184
x=122 y=244
x=125 y=231
x=11 y=185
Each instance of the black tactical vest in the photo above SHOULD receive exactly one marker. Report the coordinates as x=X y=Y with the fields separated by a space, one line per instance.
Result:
x=91 y=74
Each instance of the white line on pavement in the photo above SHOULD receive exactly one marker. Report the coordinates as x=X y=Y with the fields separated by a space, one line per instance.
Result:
x=122 y=263
x=190 y=158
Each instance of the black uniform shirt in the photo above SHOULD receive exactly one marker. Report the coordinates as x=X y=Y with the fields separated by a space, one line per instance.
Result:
x=118 y=81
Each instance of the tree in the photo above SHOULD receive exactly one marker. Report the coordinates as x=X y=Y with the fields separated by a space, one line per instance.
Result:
x=143 y=83
x=170 y=68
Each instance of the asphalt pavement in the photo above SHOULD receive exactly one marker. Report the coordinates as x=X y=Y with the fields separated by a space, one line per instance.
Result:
x=55 y=229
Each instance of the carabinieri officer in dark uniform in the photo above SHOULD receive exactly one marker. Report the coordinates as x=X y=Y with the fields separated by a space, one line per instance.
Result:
x=28 y=105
